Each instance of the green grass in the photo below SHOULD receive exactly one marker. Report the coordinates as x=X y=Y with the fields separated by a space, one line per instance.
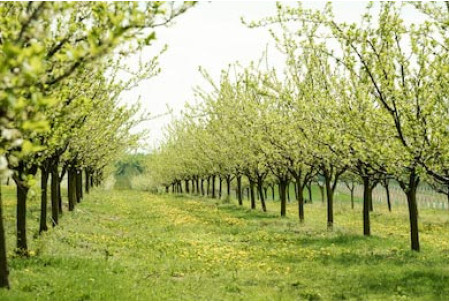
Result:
x=131 y=245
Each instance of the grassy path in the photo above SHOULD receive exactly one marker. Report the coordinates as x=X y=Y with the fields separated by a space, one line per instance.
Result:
x=130 y=245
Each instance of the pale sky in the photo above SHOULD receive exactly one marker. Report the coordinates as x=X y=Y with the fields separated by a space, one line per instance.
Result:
x=210 y=35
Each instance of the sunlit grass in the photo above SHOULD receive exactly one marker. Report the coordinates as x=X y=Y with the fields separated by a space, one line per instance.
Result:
x=131 y=245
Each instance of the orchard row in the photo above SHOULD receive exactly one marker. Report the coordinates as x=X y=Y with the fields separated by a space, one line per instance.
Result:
x=62 y=69
x=366 y=102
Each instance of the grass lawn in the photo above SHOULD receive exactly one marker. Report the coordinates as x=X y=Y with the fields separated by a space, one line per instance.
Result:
x=132 y=245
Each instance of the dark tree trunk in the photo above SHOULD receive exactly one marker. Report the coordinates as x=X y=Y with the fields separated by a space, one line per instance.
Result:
x=4 y=282
x=213 y=185
x=288 y=189
x=167 y=189
x=265 y=193
x=86 y=181
x=92 y=180
x=308 y=186
x=366 y=205
x=352 y=197
x=44 y=182
x=273 y=192
x=410 y=190
x=208 y=181
x=72 y=187
x=299 y=187
x=252 y=195
x=22 y=192
x=330 y=200
x=193 y=185
x=79 y=185
x=282 y=194
x=228 y=187
x=388 y=196
x=220 y=187
x=413 y=218
x=261 y=195
x=197 y=185
x=97 y=179
x=55 y=192
x=60 y=205
x=202 y=187
x=239 y=189
x=186 y=186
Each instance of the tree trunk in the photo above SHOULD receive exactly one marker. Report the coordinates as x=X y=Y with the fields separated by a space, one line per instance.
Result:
x=239 y=189
x=388 y=197
x=366 y=205
x=186 y=186
x=252 y=195
x=413 y=219
x=273 y=192
x=228 y=186
x=330 y=200
x=79 y=185
x=22 y=192
x=411 y=191
x=220 y=187
x=86 y=181
x=213 y=185
x=202 y=187
x=72 y=187
x=55 y=194
x=44 y=182
x=352 y=197
x=288 y=189
x=261 y=195
x=208 y=181
x=60 y=205
x=4 y=282
x=308 y=186
x=282 y=194
x=265 y=193
x=299 y=187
